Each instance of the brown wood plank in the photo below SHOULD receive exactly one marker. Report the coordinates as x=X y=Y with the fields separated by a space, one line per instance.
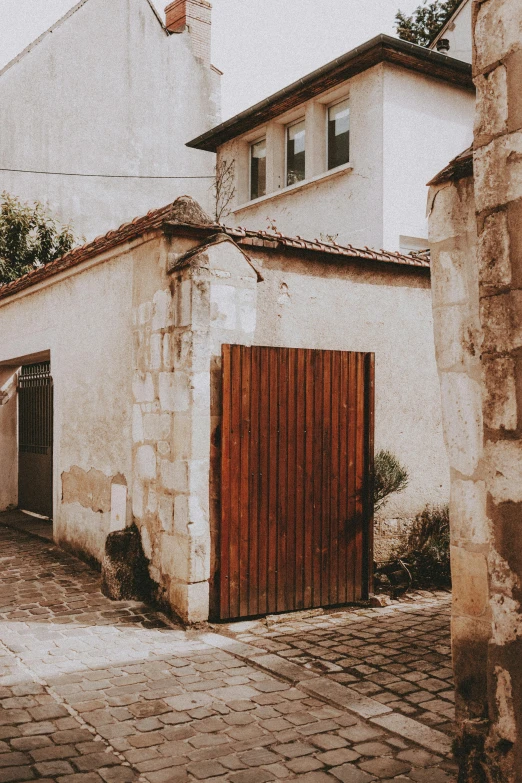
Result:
x=369 y=471
x=224 y=533
x=235 y=462
x=335 y=517
x=308 y=521
x=352 y=527
x=244 y=483
x=318 y=478
x=360 y=478
x=254 y=484
x=300 y=475
x=264 y=461
x=291 y=480
x=273 y=468
x=343 y=480
x=326 y=455
x=283 y=602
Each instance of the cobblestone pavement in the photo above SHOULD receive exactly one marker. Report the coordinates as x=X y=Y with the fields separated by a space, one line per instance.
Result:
x=93 y=690
x=399 y=655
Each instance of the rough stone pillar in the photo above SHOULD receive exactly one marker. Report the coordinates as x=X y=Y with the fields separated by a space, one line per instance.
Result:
x=215 y=296
x=456 y=318
x=498 y=200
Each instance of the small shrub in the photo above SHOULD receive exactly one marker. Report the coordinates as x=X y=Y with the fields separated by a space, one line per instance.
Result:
x=426 y=552
x=389 y=477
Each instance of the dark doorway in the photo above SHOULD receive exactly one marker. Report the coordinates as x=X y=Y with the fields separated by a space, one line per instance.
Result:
x=296 y=477
x=35 y=439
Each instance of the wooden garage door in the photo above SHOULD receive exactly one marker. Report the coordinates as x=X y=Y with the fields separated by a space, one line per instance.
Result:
x=296 y=466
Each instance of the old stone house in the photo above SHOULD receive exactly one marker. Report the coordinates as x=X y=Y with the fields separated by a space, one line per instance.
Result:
x=347 y=150
x=114 y=90
x=155 y=423
x=475 y=206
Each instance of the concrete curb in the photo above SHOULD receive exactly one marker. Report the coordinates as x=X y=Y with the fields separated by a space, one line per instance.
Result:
x=334 y=693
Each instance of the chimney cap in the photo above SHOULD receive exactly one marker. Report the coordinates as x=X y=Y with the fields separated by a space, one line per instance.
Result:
x=443 y=45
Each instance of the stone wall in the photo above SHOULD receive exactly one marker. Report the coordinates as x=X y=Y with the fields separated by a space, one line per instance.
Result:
x=178 y=335
x=476 y=237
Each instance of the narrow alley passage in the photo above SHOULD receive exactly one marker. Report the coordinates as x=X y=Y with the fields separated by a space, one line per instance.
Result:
x=92 y=690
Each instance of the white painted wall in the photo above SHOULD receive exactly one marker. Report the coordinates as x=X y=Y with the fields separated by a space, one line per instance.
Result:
x=108 y=91
x=459 y=34
x=426 y=123
x=404 y=128
x=304 y=303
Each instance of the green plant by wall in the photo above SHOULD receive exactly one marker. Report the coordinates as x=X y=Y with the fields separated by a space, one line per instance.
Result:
x=29 y=238
x=425 y=22
x=426 y=552
x=389 y=477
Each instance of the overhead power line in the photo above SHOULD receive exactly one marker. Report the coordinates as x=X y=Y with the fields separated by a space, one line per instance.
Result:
x=106 y=176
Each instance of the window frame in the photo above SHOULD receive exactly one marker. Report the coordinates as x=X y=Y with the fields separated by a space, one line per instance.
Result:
x=252 y=144
x=300 y=120
x=344 y=99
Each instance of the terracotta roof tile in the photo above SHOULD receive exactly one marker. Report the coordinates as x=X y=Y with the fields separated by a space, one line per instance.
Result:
x=185 y=216
x=458 y=168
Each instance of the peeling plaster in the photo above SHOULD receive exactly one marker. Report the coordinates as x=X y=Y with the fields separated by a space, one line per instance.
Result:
x=90 y=489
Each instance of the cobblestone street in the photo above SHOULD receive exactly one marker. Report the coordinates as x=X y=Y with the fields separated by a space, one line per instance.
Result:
x=398 y=655
x=93 y=690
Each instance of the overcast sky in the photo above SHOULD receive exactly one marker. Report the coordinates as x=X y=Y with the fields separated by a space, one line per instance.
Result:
x=261 y=45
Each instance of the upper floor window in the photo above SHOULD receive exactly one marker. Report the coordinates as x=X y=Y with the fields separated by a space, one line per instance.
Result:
x=295 y=152
x=338 y=134
x=258 y=169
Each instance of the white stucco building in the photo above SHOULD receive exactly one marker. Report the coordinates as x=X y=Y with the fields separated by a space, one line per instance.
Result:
x=346 y=151
x=110 y=89
x=455 y=38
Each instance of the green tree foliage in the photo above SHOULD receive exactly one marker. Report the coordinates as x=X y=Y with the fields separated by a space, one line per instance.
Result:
x=425 y=22
x=29 y=238
x=389 y=476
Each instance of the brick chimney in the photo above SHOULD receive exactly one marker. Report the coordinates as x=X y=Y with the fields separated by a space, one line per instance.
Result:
x=195 y=16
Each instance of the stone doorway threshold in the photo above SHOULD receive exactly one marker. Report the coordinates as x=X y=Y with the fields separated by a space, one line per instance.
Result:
x=26 y=523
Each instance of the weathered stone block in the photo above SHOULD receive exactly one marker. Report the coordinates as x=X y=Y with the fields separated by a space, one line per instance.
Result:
x=174 y=391
x=462 y=417
x=156 y=426
x=161 y=316
x=449 y=277
x=146 y=463
x=181 y=514
x=468 y=512
x=184 y=303
x=143 y=388
x=498 y=31
x=156 y=351
x=144 y=313
x=504 y=460
x=469 y=574
x=500 y=396
x=247 y=309
x=137 y=424
x=223 y=311
x=138 y=500
x=174 y=475
x=493 y=251
x=498 y=172
x=456 y=337
x=166 y=513
x=492 y=105
x=514 y=80
x=501 y=317
x=191 y=601
x=451 y=211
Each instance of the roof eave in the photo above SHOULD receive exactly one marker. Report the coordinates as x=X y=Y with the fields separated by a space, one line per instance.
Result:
x=382 y=48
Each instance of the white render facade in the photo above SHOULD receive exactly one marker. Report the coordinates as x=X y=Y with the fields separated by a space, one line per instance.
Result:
x=404 y=124
x=107 y=90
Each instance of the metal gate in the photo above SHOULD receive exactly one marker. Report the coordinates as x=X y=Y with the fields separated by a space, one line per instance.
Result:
x=35 y=439
x=296 y=489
